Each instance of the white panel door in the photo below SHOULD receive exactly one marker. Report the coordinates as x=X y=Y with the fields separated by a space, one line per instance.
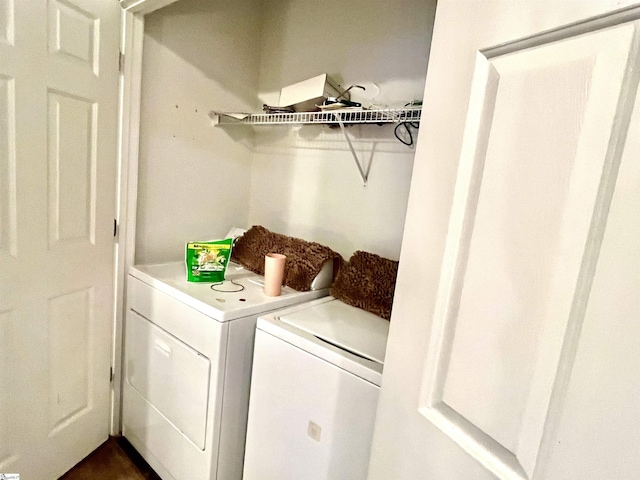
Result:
x=513 y=344
x=58 y=163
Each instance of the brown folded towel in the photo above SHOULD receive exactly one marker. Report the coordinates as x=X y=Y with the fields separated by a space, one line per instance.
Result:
x=367 y=281
x=304 y=259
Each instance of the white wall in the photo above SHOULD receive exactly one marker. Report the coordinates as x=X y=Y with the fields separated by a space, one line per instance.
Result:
x=304 y=180
x=194 y=180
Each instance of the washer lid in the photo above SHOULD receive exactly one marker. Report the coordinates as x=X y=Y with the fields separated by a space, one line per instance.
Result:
x=350 y=328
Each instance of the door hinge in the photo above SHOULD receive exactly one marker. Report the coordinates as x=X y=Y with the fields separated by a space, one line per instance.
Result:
x=111 y=375
x=120 y=62
x=115 y=228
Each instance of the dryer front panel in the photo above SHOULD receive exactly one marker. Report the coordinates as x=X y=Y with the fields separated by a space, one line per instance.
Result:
x=170 y=375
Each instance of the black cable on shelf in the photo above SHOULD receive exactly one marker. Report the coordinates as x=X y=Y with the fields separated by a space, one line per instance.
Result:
x=407 y=137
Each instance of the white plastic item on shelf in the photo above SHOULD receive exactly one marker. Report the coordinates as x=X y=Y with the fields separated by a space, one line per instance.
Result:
x=304 y=96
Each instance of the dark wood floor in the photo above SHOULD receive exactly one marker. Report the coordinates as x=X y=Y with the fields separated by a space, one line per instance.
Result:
x=115 y=459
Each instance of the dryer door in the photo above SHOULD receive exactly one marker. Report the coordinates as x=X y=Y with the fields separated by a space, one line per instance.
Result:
x=170 y=375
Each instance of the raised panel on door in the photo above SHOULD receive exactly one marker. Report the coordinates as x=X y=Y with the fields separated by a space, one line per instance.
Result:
x=7 y=23
x=537 y=170
x=71 y=341
x=8 y=212
x=74 y=34
x=72 y=148
x=7 y=344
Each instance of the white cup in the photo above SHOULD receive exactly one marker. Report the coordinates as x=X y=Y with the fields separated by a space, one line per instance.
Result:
x=273 y=273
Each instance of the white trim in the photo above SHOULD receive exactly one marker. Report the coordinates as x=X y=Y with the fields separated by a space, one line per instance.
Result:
x=132 y=39
x=143 y=7
x=131 y=45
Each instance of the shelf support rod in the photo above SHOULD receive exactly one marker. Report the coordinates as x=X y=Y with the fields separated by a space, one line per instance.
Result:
x=363 y=174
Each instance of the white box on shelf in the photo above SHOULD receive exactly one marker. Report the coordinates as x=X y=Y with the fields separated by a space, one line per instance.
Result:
x=304 y=96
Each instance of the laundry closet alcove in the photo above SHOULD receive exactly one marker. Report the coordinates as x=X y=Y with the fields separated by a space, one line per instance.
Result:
x=182 y=179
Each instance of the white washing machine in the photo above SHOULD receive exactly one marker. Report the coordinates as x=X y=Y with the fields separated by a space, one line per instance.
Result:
x=188 y=354
x=317 y=369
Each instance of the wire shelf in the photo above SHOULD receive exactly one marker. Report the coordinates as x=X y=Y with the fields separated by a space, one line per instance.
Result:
x=346 y=116
x=341 y=117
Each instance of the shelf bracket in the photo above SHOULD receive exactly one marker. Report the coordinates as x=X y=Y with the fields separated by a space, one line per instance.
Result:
x=363 y=174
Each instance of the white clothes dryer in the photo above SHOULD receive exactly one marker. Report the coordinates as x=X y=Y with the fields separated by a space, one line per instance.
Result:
x=187 y=367
x=316 y=378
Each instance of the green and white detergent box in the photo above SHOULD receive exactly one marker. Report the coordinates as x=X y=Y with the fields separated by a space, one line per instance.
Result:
x=207 y=261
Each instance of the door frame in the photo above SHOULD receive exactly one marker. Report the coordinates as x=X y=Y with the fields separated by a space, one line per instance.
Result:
x=131 y=51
